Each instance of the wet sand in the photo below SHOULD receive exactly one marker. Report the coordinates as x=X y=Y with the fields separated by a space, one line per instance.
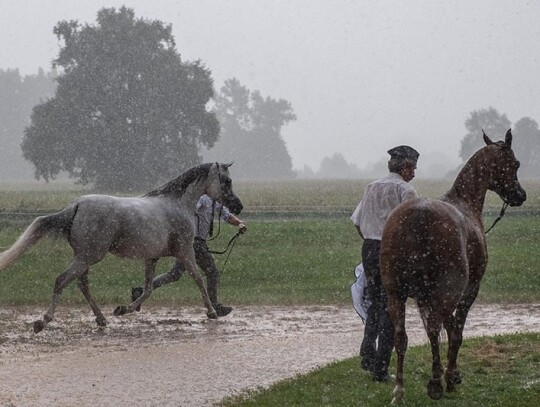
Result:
x=177 y=357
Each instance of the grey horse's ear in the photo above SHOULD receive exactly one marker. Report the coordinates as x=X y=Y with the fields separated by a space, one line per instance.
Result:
x=508 y=138
x=227 y=165
x=487 y=140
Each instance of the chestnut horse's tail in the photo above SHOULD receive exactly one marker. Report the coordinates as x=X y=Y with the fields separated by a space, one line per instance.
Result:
x=57 y=224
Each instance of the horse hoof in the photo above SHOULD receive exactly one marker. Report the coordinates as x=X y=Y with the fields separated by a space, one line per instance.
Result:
x=435 y=389
x=38 y=326
x=212 y=315
x=120 y=310
x=101 y=321
x=452 y=380
x=456 y=377
x=398 y=394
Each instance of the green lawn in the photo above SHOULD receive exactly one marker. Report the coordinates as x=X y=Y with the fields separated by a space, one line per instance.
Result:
x=496 y=371
x=276 y=262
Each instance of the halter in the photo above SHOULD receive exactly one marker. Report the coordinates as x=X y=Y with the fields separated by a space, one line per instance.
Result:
x=503 y=209
x=232 y=241
x=214 y=209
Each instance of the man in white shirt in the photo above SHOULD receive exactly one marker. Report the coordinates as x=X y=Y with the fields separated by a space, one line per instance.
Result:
x=369 y=217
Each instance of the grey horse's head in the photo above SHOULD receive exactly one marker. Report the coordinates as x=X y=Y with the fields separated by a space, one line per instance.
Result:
x=220 y=188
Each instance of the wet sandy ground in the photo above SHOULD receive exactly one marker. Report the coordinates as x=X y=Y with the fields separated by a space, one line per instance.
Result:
x=177 y=357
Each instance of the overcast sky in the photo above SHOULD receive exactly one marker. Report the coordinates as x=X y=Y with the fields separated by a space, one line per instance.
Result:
x=362 y=76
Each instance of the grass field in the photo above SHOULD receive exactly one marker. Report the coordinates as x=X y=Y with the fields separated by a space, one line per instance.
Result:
x=497 y=371
x=276 y=262
x=310 y=260
x=255 y=195
x=303 y=260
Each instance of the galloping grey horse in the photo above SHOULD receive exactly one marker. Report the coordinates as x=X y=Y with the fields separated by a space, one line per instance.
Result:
x=158 y=224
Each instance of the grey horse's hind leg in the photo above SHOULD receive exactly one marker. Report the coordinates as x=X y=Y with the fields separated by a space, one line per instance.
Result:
x=75 y=270
x=150 y=267
x=85 y=289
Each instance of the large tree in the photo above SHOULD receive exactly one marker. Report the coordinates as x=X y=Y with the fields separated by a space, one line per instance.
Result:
x=18 y=94
x=251 y=133
x=128 y=112
x=491 y=121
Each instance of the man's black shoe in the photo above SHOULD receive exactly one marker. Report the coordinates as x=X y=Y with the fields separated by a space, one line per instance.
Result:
x=367 y=364
x=384 y=378
x=136 y=292
x=222 y=310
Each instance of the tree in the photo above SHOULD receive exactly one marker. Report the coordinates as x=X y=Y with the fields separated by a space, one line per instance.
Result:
x=526 y=146
x=494 y=124
x=251 y=132
x=17 y=97
x=128 y=112
x=337 y=167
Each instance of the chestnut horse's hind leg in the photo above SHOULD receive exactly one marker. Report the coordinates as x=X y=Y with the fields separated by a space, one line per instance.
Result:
x=75 y=270
x=85 y=289
x=433 y=326
x=396 y=312
x=455 y=339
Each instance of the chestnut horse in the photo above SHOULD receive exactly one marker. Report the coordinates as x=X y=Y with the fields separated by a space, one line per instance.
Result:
x=434 y=250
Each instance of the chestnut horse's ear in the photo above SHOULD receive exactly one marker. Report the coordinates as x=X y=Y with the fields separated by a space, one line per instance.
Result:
x=487 y=140
x=508 y=138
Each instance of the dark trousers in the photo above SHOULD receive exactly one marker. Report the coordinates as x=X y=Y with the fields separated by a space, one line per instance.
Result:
x=378 y=342
x=204 y=260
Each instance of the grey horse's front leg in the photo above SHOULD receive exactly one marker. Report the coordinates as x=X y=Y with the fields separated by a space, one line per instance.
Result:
x=189 y=262
x=150 y=267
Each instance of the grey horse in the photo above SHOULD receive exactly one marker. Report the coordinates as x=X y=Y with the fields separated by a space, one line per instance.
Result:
x=148 y=227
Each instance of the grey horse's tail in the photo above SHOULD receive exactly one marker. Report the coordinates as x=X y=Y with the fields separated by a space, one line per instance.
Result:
x=56 y=224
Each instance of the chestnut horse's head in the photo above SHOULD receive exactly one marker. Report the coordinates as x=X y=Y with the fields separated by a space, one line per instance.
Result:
x=502 y=167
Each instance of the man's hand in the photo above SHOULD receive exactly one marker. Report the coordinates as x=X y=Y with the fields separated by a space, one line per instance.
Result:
x=242 y=228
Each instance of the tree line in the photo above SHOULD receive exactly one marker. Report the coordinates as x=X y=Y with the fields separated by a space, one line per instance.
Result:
x=526 y=146
x=121 y=110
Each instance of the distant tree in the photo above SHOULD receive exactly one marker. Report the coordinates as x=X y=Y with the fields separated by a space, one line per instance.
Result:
x=305 y=173
x=251 y=132
x=526 y=145
x=18 y=95
x=128 y=112
x=337 y=167
x=494 y=124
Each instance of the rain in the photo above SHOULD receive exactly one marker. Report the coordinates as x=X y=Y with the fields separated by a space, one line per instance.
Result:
x=300 y=104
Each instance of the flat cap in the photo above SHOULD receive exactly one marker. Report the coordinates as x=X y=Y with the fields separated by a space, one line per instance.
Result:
x=404 y=152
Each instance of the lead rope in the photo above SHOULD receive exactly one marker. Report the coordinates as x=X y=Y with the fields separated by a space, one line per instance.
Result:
x=503 y=209
x=212 y=221
x=230 y=245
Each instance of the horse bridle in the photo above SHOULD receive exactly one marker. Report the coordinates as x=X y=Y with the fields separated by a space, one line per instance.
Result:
x=503 y=209
x=232 y=241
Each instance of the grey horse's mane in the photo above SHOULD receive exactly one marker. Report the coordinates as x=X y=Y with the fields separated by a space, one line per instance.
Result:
x=178 y=185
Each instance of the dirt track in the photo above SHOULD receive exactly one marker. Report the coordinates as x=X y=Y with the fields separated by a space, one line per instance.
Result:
x=172 y=357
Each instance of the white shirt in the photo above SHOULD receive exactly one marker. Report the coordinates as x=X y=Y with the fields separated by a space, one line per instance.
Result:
x=380 y=198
